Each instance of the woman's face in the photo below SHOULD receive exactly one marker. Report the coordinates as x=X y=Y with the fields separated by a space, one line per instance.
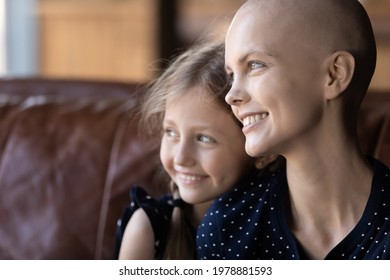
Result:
x=277 y=82
x=202 y=148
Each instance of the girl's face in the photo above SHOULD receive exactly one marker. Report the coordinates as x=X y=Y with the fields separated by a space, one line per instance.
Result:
x=202 y=148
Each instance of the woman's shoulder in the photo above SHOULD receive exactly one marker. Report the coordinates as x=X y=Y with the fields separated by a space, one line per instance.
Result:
x=381 y=172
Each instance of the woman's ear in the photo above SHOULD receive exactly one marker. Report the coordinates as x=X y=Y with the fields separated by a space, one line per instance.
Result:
x=341 y=67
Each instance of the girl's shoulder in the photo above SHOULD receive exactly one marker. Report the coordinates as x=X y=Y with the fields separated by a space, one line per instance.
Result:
x=157 y=211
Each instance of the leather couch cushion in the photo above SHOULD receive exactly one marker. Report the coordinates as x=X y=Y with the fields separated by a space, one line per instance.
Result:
x=66 y=168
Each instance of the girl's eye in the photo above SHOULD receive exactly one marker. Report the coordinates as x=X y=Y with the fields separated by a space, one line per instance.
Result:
x=170 y=132
x=206 y=139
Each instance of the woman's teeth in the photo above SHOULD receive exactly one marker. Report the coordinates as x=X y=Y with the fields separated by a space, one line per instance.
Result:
x=254 y=118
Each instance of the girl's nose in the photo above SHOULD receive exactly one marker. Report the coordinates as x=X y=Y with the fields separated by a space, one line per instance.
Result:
x=184 y=155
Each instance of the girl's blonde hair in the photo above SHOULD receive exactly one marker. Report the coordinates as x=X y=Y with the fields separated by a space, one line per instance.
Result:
x=201 y=66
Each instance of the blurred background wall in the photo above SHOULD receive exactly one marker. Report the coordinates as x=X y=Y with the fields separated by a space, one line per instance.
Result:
x=127 y=40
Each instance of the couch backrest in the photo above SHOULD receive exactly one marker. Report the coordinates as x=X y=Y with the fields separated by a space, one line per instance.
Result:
x=67 y=160
x=374 y=125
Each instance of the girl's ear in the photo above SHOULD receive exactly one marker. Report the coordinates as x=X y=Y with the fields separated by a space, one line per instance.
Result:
x=263 y=161
x=340 y=70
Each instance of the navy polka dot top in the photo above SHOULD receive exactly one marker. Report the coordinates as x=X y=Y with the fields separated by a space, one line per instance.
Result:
x=159 y=212
x=249 y=222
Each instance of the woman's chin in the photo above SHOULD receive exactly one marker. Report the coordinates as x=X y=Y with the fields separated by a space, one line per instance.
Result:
x=254 y=150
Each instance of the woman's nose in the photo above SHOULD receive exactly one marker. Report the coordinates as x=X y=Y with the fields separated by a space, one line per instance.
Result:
x=232 y=99
x=236 y=95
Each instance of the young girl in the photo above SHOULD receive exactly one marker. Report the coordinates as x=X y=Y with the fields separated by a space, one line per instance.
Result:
x=202 y=151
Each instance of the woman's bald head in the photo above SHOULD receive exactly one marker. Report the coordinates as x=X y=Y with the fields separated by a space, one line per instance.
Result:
x=323 y=27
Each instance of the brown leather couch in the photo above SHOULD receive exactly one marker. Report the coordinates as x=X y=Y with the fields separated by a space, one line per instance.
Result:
x=69 y=153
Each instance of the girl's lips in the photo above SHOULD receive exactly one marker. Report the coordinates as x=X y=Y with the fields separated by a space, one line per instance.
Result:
x=188 y=178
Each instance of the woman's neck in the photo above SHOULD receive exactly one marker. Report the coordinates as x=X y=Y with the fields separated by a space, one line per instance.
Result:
x=328 y=193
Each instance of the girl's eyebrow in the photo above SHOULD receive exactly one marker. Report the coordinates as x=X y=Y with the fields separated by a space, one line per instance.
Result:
x=201 y=127
x=168 y=121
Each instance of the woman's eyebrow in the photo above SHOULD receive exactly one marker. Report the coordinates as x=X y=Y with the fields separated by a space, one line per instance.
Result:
x=245 y=56
x=240 y=61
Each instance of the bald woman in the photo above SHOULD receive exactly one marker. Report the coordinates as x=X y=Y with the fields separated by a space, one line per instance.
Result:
x=299 y=71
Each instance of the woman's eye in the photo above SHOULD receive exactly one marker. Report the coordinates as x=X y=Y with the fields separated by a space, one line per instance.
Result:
x=253 y=65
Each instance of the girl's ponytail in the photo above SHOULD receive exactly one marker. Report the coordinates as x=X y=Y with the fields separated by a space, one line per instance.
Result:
x=180 y=240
